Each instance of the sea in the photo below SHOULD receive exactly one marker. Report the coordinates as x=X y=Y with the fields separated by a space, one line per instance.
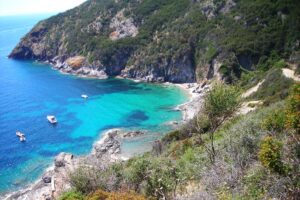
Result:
x=29 y=91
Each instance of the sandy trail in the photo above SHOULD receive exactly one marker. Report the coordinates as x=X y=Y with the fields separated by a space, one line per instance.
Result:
x=290 y=74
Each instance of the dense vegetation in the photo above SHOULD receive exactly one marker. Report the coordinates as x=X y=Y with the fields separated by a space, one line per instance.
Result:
x=217 y=155
x=175 y=35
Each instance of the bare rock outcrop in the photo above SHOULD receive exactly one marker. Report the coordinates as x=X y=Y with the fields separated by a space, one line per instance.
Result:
x=122 y=27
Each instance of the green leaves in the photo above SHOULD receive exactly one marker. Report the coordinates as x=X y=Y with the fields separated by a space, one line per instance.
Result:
x=270 y=155
x=221 y=102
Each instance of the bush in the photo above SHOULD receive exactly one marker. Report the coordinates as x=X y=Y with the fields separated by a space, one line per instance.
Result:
x=280 y=64
x=175 y=136
x=83 y=180
x=137 y=171
x=221 y=102
x=270 y=155
x=293 y=109
x=154 y=177
x=202 y=123
x=179 y=148
x=275 y=121
x=254 y=183
x=72 y=195
x=102 y=195
x=162 y=179
x=274 y=88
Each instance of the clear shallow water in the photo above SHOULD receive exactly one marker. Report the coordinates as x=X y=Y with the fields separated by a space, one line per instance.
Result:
x=30 y=91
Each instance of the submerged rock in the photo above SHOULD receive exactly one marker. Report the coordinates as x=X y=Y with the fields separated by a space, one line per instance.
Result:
x=131 y=134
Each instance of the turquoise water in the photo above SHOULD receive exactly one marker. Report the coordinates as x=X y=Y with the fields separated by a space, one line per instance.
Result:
x=30 y=91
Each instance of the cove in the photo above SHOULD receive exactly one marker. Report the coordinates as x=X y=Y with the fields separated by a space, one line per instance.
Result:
x=29 y=91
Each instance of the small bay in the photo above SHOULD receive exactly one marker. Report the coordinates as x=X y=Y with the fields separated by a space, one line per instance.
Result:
x=29 y=91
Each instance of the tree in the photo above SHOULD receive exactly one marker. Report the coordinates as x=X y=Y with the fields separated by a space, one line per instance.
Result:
x=220 y=104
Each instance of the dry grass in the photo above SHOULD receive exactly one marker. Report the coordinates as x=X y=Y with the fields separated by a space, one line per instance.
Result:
x=76 y=62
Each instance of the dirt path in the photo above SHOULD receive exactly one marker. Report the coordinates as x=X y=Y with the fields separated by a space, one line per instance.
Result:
x=252 y=90
x=290 y=74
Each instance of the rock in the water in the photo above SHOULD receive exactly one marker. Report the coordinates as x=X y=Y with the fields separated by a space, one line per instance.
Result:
x=133 y=134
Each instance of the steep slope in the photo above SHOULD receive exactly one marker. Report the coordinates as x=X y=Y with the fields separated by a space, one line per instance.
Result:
x=166 y=40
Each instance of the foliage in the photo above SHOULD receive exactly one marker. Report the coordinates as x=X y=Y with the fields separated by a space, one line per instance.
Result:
x=102 y=195
x=253 y=179
x=174 y=136
x=220 y=104
x=84 y=179
x=171 y=30
x=274 y=88
x=293 y=109
x=275 y=121
x=153 y=177
x=185 y=160
x=137 y=172
x=270 y=154
x=72 y=195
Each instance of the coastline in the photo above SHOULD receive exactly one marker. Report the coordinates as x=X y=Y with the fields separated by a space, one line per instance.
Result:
x=55 y=179
x=105 y=150
x=194 y=91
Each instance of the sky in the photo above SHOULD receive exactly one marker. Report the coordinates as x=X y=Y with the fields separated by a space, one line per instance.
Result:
x=23 y=7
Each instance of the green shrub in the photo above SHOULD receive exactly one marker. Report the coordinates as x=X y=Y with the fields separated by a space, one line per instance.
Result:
x=275 y=121
x=72 y=195
x=162 y=179
x=86 y=179
x=174 y=136
x=270 y=155
x=274 y=88
x=137 y=171
x=280 y=64
x=253 y=181
x=202 y=123
x=179 y=148
x=221 y=102
x=189 y=164
x=293 y=109
x=154 y=177
x=224 y=70
x=103 y=195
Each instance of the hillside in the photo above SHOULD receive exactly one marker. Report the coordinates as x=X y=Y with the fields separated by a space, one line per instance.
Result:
x=245 y=141
x=220 y=154
x=166 y=40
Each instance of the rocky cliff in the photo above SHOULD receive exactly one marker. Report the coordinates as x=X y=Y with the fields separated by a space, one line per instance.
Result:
x=165 y=40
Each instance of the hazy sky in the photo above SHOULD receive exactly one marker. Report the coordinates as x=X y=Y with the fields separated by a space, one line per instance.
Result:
x=20 y=7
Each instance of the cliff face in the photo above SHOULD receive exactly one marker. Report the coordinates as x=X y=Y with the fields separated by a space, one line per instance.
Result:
x=165 y=40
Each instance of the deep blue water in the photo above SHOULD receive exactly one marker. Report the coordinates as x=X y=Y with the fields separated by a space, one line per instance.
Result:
x=29 y=91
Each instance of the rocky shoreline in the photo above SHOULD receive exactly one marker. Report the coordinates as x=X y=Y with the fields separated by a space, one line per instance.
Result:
x=56 y=178
x=78 y=66
x=105 y=151
x=196 y=93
